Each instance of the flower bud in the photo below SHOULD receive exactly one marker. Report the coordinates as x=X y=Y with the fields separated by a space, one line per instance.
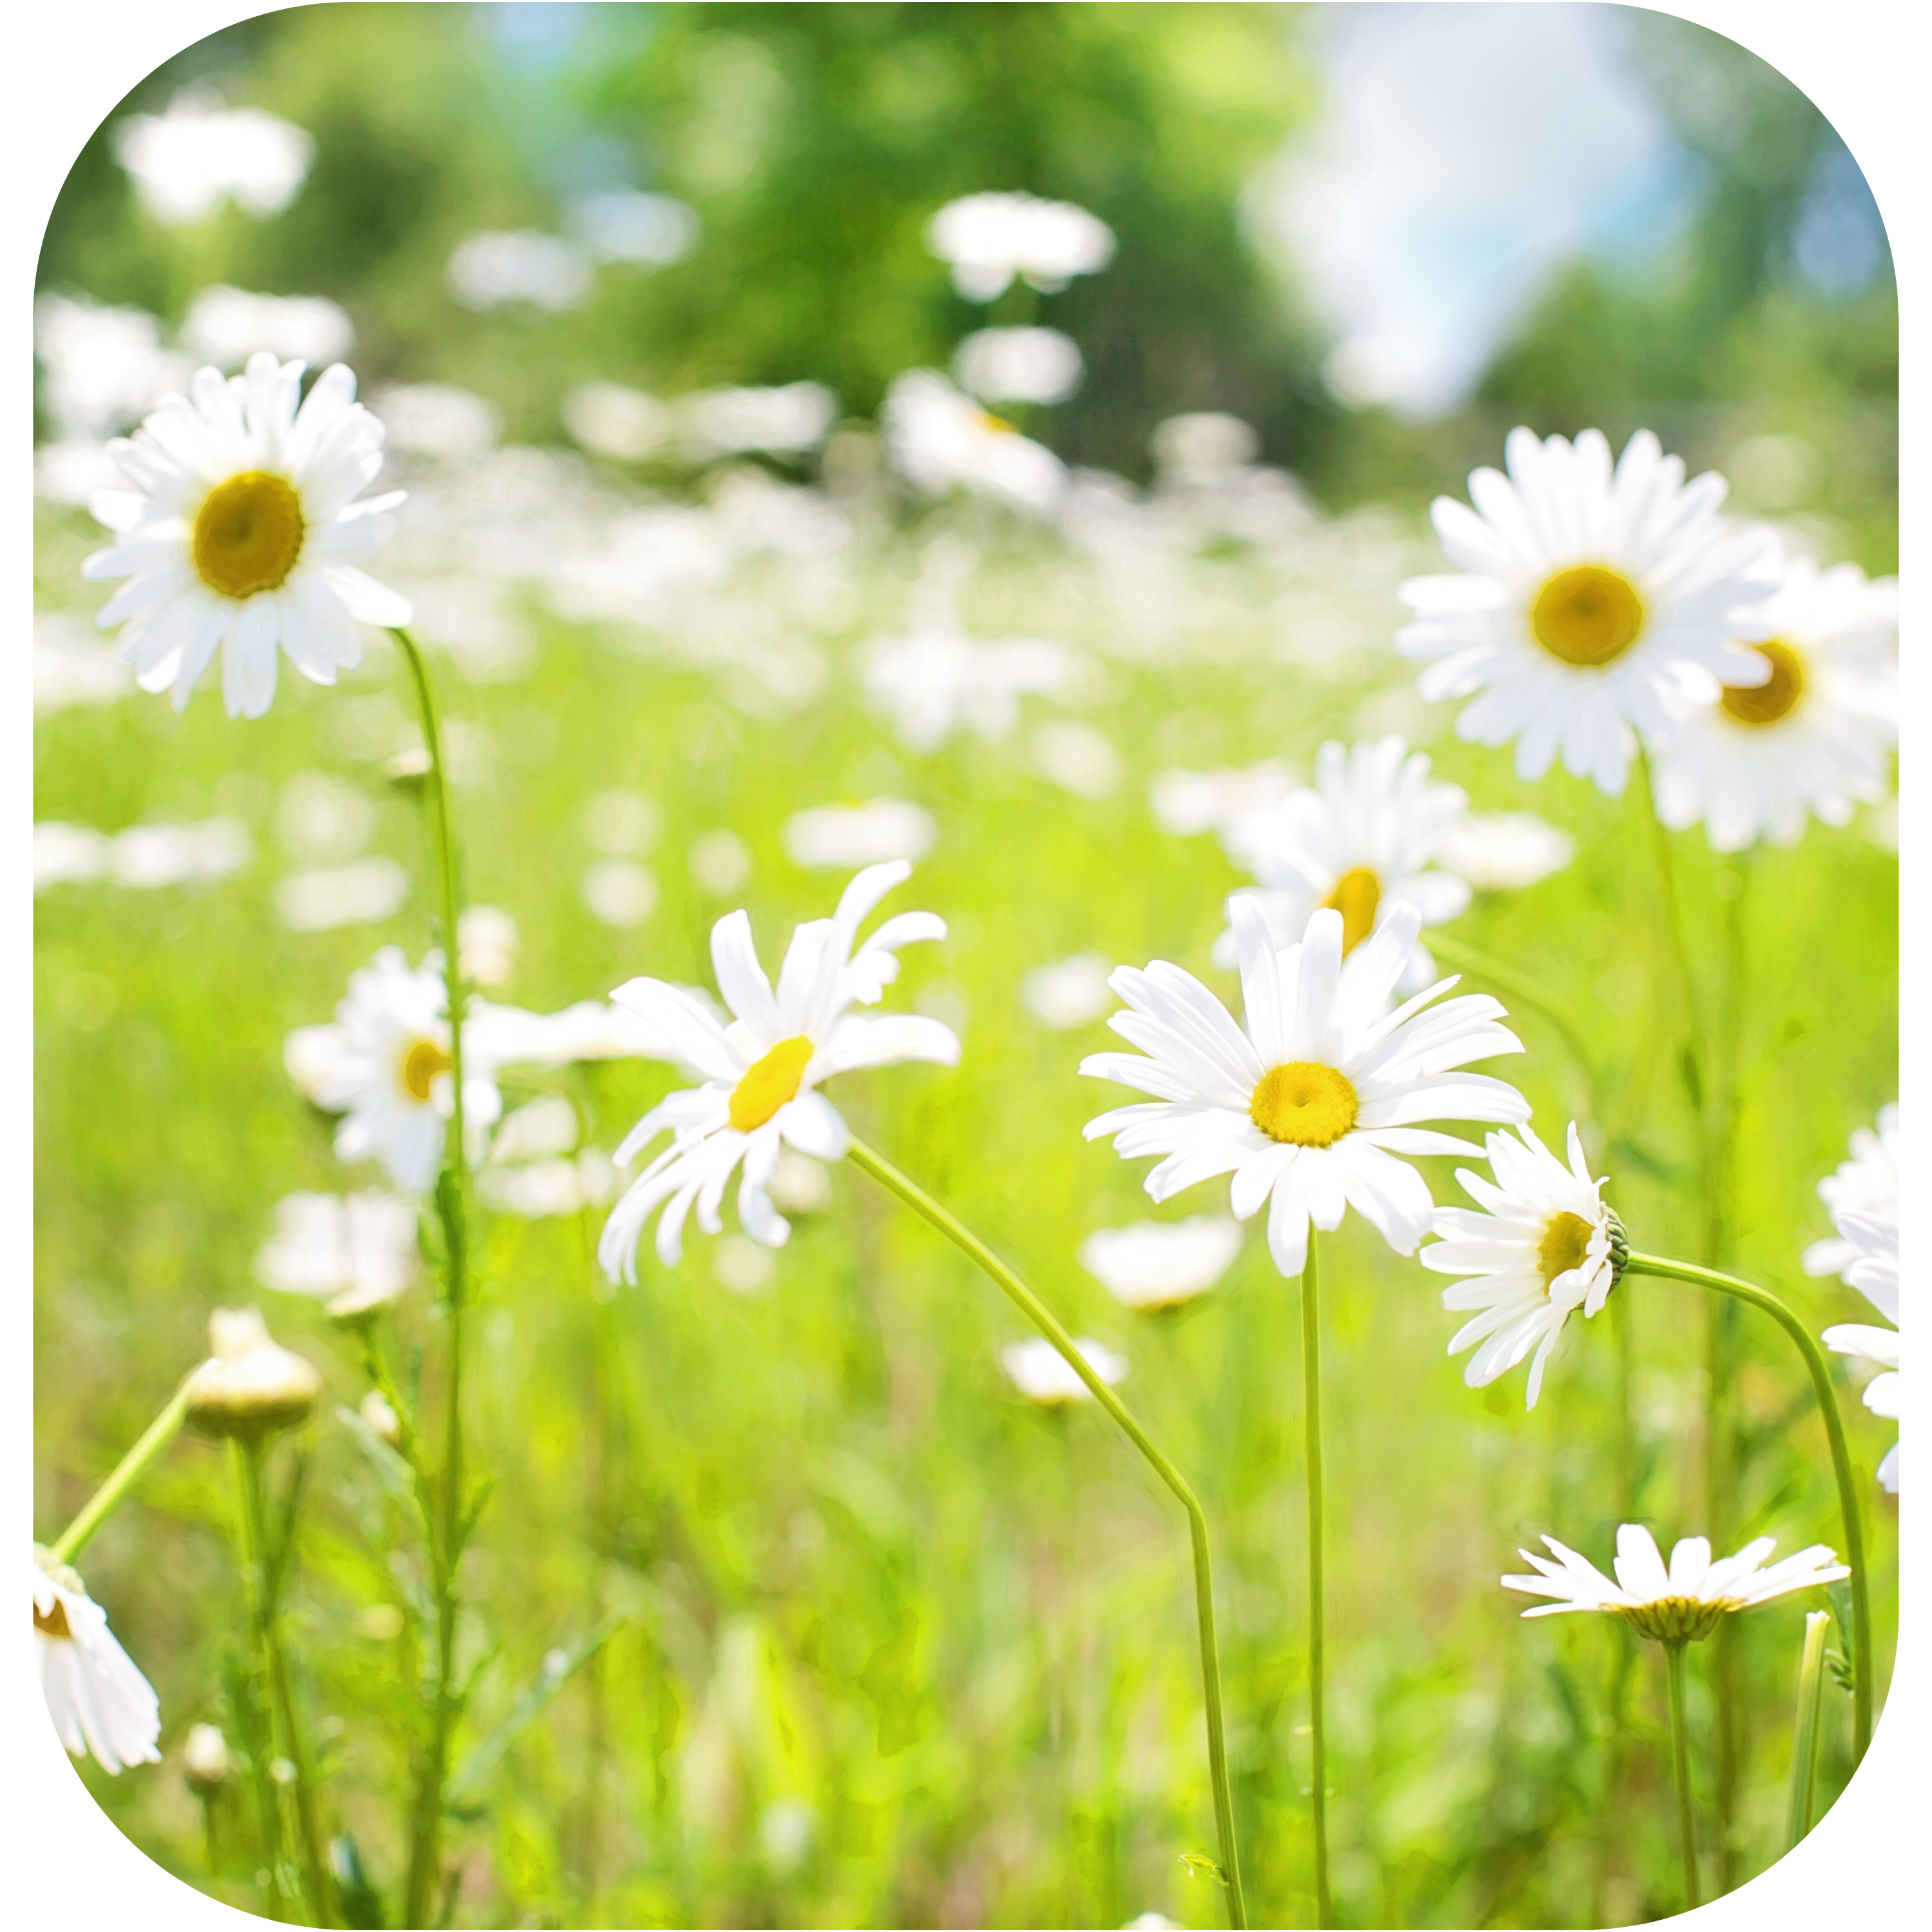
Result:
x=205 y=1760
x=249 y=1386
x=381 y=1418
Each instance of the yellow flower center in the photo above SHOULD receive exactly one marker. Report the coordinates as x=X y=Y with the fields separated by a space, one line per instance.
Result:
x=768 y=1083
x=998 y=425
x=52 y=1622
x=1356 y=896
x=1778 y=697
x=1587 y=616
x=248 y=534
x=1304 y=1103
x=1566 y=1241
x=421 y=1064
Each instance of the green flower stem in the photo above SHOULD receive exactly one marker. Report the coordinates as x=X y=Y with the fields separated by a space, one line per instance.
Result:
x=1804 y=1732
x=267 y=1600
x=452 y=1200
x=1841 y=1463
x=1036 y=1312
x=1680 y=1752
x=132 y=1467
x=1318 y=1735
x=257 y=1726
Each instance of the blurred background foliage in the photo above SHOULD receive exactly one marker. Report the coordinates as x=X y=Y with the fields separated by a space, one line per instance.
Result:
x=897 y=1649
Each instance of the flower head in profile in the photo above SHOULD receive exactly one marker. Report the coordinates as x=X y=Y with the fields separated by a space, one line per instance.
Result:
x=1867 y=1184
x=1874 y=1274
x=1544 y=1246
x=1310 y=1105
x=761 y=1072
x=1815 y=737
x=1043 y=1374
x=100 y=1703
x=1587 y=598
x=1363 y=840
x=940 y=441
x=250 y=1385
x=244 y=532
x=356 y=1253
x=1675 y=1605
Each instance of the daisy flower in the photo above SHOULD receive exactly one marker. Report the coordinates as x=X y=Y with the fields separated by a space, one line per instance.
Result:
x=1874 y=1274
x=1587 y=598
x=1816 y=735
x=1043 y=1374
x=1155 y=1265
x=1686 y=1601
x=384 y=1065
x=1309 y=1104
x=1868 y=1183
x=762 y=1071
x=243 y=533
x=989 y=239
x=1544 y=1247
x=1361 y=840
x=355 y=1253
x=941 y=440
x=100 y=1703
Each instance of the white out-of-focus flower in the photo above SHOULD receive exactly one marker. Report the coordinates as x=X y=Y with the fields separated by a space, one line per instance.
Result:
x=1204 y=446
x=250 y=1384
x=439 y=420
x=486 y=945
x=70 y=668
x=933 y=681
x=719 y=862
x=620 y=892
x=320 y=818
x=205 y=1760
x=1042 y=1374
x=1504 y=851
x=726 y=422
x=1018 y=365
x=380 y=1419
x=355 y=1253
x=323 y=898
x=68 y=854
x=74 y=470
x=494 y=268
x=626 y=225
x=609 y=419
x=1078 y=757
x=1186 y=803
x=742 y=1265
x=860 y=834
x=1069 y=993
x=144 y=857
x=536 y=1131
x=1867 y=1184
x=100 y=1703
x=989 y=239
x=1875 y=1274
x=228 y=325
x=1156 y=1264
x=940 y=440
x=199 y=153
x=590 y=1029
x=799 y=1184
x=537 y=1190
x=104 y=367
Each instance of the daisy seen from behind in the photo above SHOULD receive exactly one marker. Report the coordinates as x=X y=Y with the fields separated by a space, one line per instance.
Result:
x=760 y=1072
x=1543 y=1245
x=100 y=1703
x=1814 y=738
x=1311 y=1104
x=1362 y=840
x=1586 y=597
x=1874 y=1274
x=244 y=531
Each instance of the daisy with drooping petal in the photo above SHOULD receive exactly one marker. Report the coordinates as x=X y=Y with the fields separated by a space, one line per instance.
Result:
x=244 y=531
x=100 y=1703
x=1815 y=736
x=1362 y=840
x=1868 y=1183
x=1874 y=1274
x=761 y=1073
x=1675 y=1605
x=1310 y=1105
x=1587 y=597
x=1544 y=1246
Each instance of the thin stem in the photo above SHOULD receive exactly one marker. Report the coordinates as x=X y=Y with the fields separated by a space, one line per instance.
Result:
x=1318 y=1734
x=132 y=1466
x=269 y=1613
x=255 y=1722
x=1673 y=915
x=1841 y=1463
x=1680 y=1753
x=452 y=1198
x=1036 y=1312
x=1804 y=1732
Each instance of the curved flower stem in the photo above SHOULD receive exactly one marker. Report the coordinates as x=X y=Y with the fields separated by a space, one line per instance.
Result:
x=1841 y=1463
x=1680 y=1752
x=132 y=1466
x=1036 y=1312
x=1804 y=1731
x=1318 y=1735
x=452 y=1202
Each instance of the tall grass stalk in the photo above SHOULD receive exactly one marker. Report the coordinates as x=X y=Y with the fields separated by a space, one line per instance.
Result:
x=1804 y=1731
